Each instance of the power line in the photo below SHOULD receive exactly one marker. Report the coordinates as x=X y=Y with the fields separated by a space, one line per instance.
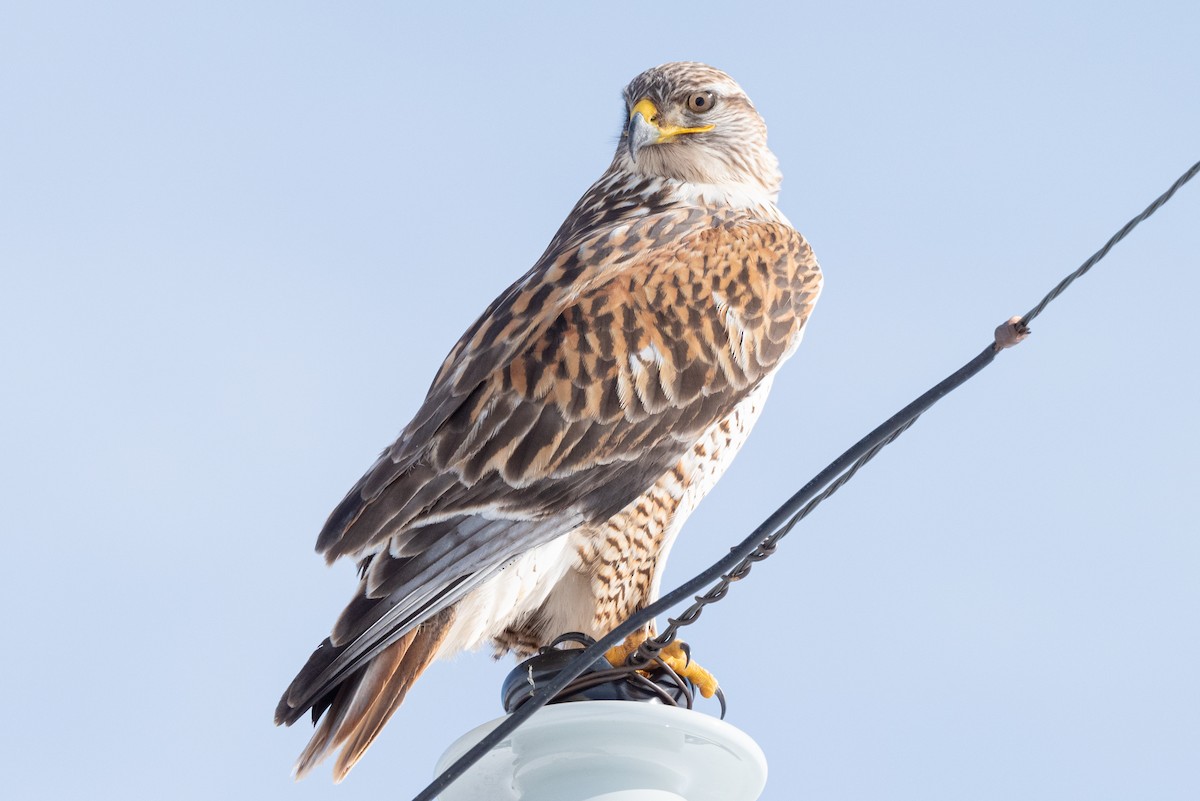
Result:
x=762 y=541
x=1006 y=335
x=1117 y=237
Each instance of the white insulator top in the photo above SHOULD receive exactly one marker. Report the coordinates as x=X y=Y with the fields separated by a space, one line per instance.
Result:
x=612 y=751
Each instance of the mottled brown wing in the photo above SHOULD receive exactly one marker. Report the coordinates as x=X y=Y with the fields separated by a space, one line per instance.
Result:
x=561 y=406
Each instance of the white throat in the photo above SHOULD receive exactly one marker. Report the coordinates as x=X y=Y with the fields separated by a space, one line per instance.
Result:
x=733 y=195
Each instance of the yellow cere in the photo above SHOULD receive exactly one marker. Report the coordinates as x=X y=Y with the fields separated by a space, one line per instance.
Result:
x=646 y=108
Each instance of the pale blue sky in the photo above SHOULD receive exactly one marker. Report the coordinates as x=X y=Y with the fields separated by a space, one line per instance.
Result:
x=237 y=239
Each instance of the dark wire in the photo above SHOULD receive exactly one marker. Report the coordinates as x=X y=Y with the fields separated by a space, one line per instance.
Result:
x=1117 y=237
x=649 y=649
x=784 y=518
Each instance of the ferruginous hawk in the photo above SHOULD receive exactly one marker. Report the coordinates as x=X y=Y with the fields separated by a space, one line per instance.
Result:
x=578 y=422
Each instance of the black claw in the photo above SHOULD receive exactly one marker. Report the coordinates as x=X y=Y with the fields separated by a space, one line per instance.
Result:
x=687 y=652
x=721 y=697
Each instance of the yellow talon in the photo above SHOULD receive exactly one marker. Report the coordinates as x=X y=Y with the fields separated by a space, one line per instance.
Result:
x=617 y=655
x=673 y=655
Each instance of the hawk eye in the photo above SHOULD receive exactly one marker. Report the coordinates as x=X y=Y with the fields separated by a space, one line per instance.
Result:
x=701 y=102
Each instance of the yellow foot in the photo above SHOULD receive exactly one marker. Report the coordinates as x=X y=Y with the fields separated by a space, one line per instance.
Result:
x=674 y=655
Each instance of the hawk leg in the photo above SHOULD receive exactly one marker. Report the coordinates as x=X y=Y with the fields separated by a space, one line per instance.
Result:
x=676 y=656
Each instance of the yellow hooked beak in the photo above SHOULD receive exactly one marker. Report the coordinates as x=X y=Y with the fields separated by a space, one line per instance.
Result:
x=644 y=128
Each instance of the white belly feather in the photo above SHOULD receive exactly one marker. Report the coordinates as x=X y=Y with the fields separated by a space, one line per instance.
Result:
x=551 y=577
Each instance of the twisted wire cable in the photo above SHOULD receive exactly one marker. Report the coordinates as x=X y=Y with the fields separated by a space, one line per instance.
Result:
x=762 y=541
x=650 y=648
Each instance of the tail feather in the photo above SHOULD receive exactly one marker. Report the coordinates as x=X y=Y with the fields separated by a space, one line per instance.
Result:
x=365 y=701
x=417 y=657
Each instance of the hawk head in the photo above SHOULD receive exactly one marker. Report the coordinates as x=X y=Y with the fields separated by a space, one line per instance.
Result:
x=690 y=122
